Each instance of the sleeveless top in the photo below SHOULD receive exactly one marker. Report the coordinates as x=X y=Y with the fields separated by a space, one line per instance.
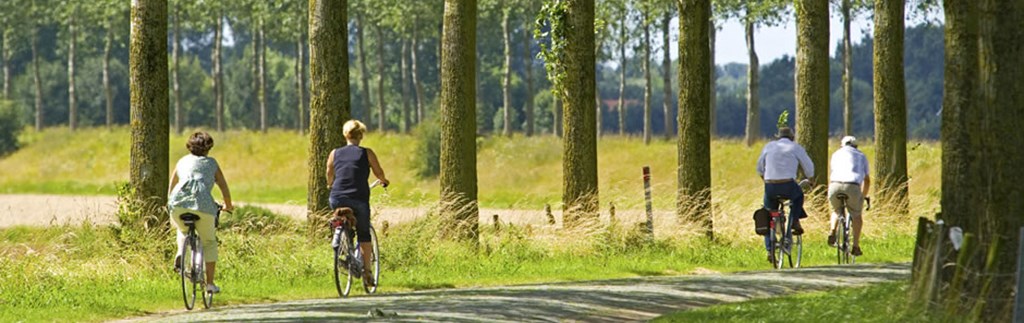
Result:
x=194 y=191
x=351 y=172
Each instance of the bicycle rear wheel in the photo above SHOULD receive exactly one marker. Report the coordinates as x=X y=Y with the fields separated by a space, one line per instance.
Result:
x=200 y=268
x=797 y=251
x=374 y=264
x=188 y=285
x=848 y=244
x=778 y=236
x=342 y=263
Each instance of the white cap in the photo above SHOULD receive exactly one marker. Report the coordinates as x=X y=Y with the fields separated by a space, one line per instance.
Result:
x=848 y=141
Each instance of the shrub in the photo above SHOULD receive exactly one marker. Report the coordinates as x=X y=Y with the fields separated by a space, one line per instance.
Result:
x=254 y=219
x=428 y=149
x=10 y=127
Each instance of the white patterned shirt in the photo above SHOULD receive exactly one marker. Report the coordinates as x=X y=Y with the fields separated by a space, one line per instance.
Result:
x=849 y=165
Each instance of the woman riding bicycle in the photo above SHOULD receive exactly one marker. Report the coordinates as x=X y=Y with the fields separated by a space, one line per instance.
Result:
x=191 y=191
x=348 y=173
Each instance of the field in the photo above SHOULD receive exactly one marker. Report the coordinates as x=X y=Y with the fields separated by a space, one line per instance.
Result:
x=93 y=273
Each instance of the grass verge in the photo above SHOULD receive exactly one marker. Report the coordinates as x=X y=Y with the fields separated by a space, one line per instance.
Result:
x=885 y=302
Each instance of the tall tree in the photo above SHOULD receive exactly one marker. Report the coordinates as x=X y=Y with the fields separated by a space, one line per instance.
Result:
x=579 y=144
x=623 y=10
x=404 y=63
x=175 y=66
x=217 y=73
x=364 y=72
x=458 y=117
x=149 y=106
x=666 y=72
x=72 y=13
x=329 y=104
x=981 y=127
x=849 y=10
x=645 y=22
x=506 y=68
x=528 y=71
x=890 y=104
x=381 y=105
x=37 y=18
x=693 y=198
x=812 y=88
x=415 y=72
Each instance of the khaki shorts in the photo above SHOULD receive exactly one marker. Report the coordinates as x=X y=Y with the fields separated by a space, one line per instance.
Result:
x=205 y=229
x=854 y=202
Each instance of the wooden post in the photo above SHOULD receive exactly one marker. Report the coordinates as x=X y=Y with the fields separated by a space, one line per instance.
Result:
x=920 y=245
x=647 y=200
x=936 y=270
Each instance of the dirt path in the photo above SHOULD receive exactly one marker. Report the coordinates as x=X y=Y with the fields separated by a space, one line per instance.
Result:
x=47 y=210
x=638 y=299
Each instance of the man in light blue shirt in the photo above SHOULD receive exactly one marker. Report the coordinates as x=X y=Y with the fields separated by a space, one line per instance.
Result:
x=778 y=164
x=849 y=176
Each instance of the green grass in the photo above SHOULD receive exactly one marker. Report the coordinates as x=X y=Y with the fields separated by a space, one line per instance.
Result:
x=517 y=172
x=885 y=302
x=86 y=273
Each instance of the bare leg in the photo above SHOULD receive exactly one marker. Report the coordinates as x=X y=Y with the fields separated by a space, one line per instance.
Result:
x=211 y=268
x=857 y=224
x=832 y=223
x=366 y=248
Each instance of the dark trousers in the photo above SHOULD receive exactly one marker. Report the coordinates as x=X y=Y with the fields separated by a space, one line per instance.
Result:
x=362 y=211
x=795 y=195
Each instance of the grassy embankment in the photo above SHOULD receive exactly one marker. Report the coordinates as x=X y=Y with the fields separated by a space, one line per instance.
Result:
x=90 y=273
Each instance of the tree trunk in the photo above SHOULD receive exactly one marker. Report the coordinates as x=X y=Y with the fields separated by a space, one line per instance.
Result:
x=37 y=79
x=175 y=85
x=622 y=78
x=579 y=143
x=262 y=77
x=148 y=174
x=382 y=114
x=712 y=30
x=528 y=70
x=666 y=72
x=812 y=89
x=693 y=198
x=300 y=85
x=72 y=102
x=329 y=104
x=890 y=106
x=415 y=72
x=556 y=128
x=6 y=57
x=406 y=112
x=597 y=92
x=506 y=83
x=647 y=78
x=458 y=118
x=847 y=70
x=218 y=79
x=753 y=82
x=364 y=73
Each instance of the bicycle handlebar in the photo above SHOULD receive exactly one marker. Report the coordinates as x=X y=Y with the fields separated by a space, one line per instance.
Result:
x=377 y=182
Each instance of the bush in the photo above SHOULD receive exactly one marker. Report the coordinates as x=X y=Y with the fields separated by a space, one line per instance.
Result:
x=254 y=219
x=428 y=149
x=10 y=127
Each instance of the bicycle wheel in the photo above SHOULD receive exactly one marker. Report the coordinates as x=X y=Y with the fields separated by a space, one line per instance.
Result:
x=200 y=269
x=186 y=273
x=374 y=263
x=848 y=244
x=841 y=239
x=342 y=264
x=779 y=235
x=798 y=251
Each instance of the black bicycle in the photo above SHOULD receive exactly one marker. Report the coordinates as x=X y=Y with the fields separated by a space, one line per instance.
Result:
x=783 y=246
x=192 y=265
x=844 y=242
x=348 y=258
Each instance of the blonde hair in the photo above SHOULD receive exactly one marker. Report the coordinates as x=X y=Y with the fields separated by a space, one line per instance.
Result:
x=354 y=130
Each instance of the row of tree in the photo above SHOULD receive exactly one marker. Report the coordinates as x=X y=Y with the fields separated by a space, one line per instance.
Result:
x=231 y=69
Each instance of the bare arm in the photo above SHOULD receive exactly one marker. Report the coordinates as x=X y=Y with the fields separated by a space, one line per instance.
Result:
x=330 y=169
x=174 y=181
x=375 y=167
x=224 y=191
x=867 y=186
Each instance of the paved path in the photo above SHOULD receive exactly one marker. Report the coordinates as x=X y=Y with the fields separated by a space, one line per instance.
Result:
x=637 y=299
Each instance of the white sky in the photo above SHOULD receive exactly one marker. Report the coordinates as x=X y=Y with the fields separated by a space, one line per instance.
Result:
x=774 y=42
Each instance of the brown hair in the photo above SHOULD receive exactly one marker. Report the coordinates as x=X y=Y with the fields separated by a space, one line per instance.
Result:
x=199 y=143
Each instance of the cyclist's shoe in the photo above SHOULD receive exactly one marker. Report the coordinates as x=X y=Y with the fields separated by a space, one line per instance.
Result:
x=832 y=239
x=771 y=258
x=798 y=229
x=212 y=289
x=856 y=251
x=368 y=279
x=177 y=263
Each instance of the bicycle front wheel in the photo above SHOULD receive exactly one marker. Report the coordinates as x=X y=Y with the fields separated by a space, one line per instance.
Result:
x=342 y=272
x=374 y=264
x=187 y=273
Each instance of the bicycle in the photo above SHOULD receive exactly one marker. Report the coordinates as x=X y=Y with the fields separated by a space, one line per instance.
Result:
x=780 y=247
x=348 y=259
x=194 y=273
x=844 y=246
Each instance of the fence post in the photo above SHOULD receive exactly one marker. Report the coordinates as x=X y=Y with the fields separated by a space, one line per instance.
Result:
x=1018 y=301
x=647 y=200
x=936 y=271
x=919 y=246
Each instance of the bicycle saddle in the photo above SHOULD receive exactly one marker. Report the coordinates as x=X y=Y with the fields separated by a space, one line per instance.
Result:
x=842 y=196
x=189 y=217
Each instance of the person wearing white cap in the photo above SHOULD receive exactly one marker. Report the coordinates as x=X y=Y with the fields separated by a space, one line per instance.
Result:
x=849 y=176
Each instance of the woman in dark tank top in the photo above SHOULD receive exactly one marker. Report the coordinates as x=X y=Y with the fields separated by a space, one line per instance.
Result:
x=348 y=173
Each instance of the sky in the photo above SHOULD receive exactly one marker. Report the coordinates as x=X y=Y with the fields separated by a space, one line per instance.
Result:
x=774 y=42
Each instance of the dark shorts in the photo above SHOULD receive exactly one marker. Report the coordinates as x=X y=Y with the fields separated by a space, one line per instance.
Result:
x=362 y=211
